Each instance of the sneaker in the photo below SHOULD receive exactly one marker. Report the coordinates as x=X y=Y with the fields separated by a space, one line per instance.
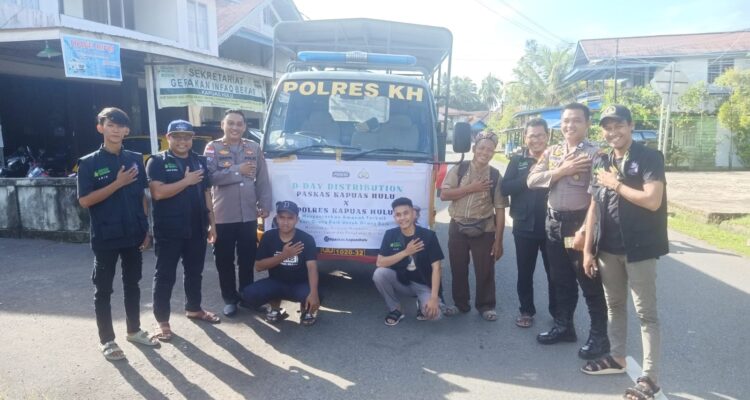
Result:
x=230 y=310
x=276 y=315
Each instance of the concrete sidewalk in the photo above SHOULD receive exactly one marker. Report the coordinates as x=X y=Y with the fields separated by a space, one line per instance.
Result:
x=718 y=195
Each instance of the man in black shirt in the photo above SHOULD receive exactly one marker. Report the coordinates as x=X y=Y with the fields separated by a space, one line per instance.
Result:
x=408 y=264
x=528 y=208
x=630 y=208
x=289 y=254
x=111 y=183
x=180 y=190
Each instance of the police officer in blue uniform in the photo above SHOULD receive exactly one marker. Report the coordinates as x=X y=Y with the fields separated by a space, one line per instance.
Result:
x=183 y=222
x=111 y=183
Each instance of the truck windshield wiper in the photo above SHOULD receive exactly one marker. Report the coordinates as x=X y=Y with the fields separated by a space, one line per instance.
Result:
x=316 y=146
x=391 y=150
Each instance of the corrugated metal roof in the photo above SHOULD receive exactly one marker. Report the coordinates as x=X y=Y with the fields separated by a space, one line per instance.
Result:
x=663 y=46
x=230 y=13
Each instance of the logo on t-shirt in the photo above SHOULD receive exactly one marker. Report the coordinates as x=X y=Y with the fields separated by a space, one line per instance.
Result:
x=289 y=262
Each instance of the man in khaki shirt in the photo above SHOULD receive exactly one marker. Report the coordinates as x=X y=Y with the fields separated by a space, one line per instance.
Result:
x=565 y=169
x=241 y=193
x=476 y=200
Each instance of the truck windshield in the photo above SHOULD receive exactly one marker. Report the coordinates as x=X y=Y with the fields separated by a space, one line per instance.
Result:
x=321 y=117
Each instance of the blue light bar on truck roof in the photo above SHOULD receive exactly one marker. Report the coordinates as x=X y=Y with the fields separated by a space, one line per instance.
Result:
x=356 y=57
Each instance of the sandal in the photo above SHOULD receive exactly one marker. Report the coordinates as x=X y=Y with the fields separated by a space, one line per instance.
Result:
x=489 y=315
x=276 y=315
x=603 y=366
x=453 y=310
x=524 y=321
x=142 y=337
x=203 y=315
x=644 y=389
x=112 y=351
x=165 y=332
x=308 y=319
x=393 y=318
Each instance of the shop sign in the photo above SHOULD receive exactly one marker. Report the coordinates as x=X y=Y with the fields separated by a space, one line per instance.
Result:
x=189 y=84
x=91 y=58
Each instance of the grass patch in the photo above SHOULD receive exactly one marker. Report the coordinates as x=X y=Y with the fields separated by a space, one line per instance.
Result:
x=692 y=225
x=743 y=222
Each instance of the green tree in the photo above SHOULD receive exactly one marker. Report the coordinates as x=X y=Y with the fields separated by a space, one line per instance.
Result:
x=540 y=73
x=491 y=92
x=734 y=112
x=643 y=101
x=464 y=94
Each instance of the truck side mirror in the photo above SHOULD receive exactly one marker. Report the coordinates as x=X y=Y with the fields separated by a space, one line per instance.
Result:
x=461 y=137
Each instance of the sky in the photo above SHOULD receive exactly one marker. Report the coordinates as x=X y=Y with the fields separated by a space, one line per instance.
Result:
x=489 y=35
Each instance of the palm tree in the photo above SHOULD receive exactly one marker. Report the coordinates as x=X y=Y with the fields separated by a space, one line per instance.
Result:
x=491 y=92
x=540 y=74
x=464 y=93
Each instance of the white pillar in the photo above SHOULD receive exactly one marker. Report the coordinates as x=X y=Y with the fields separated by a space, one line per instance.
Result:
x=153 y=130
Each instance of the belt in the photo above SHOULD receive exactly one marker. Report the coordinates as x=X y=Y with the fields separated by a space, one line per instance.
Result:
x=563 y=216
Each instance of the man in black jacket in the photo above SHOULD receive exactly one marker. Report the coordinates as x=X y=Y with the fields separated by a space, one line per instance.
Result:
x=111 y=183
x=528 y=208
x=626 y=232
x=183 y=222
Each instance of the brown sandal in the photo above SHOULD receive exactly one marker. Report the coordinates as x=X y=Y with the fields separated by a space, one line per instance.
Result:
x=203 y=315
x=644 y=389
x=524 y=321
x=164 y=332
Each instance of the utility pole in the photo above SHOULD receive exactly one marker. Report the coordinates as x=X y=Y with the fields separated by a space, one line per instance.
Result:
x=617 y=50
x=667 y=126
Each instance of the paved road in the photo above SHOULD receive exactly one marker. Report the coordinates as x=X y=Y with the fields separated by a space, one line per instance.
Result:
x=48 y=339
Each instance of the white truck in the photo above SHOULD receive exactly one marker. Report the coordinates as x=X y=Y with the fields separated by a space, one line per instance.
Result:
x=353 y=125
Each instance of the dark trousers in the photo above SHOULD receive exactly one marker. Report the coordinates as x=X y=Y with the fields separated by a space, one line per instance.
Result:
x=168 y=254
x=105 y=262
x=460 y=248
x=269 y=289
x=527 y=249
x=239 y=237
x=566 y=271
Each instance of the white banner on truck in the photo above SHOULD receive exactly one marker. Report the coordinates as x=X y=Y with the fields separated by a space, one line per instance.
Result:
x=346 y=205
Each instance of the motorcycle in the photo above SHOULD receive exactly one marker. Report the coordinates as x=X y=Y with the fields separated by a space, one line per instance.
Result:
x=18 y=164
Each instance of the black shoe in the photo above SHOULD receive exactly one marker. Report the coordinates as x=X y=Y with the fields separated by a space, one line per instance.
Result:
x=230 y=310
x=595 y=348
x=557 y=334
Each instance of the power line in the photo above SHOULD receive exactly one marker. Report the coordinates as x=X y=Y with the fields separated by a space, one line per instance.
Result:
x=522 y=15
x=524 y=28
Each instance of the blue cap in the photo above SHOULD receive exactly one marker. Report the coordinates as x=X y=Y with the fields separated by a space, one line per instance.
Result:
x=180 y=125
x=287 y=206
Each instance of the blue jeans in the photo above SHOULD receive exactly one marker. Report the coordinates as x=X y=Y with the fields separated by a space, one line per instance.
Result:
x=268 y=289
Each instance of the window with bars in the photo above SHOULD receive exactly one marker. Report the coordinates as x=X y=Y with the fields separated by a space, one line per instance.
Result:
x=269 y=18
x=197 y=19
x=111 y=12
x=717 y=66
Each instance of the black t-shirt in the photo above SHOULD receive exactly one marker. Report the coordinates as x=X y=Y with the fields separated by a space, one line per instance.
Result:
x=293 y=269
x=611 y=240
x=394 y=241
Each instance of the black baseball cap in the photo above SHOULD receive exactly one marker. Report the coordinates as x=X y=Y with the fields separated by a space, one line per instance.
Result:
x=181 y=126
x=617 y=112
x=287 y=206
